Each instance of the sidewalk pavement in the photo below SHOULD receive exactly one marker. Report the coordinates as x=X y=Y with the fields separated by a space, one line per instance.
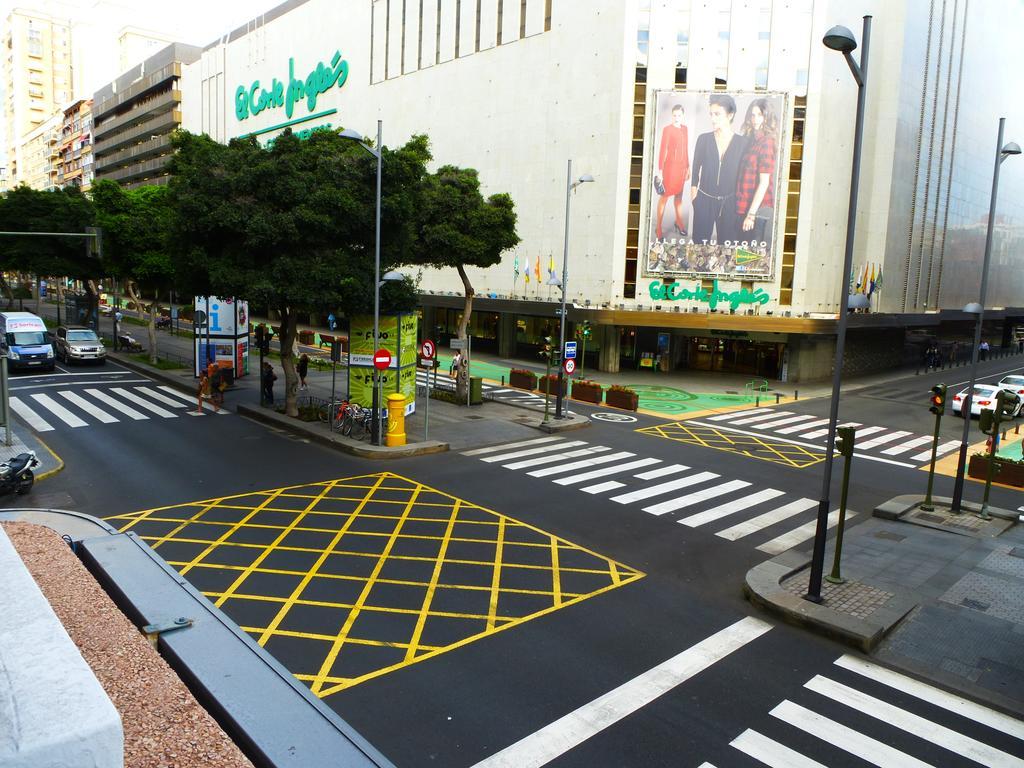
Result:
x=940 y=596
x=22 y=440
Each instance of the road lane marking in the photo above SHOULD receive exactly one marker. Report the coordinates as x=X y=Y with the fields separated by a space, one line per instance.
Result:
x=822 y=432
x=736 y=505
x=738 y=414
x=145 y=404
x=657 y=490
x=80 y=383
x=761 y=417
x=88 y=407
x=846 y=739
x=887 y=713
x=533 y=451
x=770 y=752
x=882 y=440
x=904 y=447
x=590 y=449
x=671 y=469
x=781 y=422
x=611 y=485
x=939 y=451
x=695 y=498
x=190 y=398
x=59 y=411
x=802 y=427
x=796 y=536
x=605 y=471
x=33 y=419
x=584 y=463
x=554 y=740
x=117 y=405
x=162 y=398
x=776 y=515
x=504 y=446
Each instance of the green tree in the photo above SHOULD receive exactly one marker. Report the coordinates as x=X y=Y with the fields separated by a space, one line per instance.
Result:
x=65 y=210
x=291 y=226
x=136 y=226
x=459 y=229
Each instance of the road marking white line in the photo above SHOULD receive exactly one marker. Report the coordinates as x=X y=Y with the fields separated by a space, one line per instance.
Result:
x=845 y=738
x=117 y=405
x=882 y=440
x=670 y=469
x=671 y=485
x=59 y=411
x=736 y=505
x=611 y=485
x=190 y=398
x=801 y=534
x=904 y=447
x=533 y=451
x=162 y=398
x=772 y=517
x=131 y=397
x=737 y=414
x=802 y=427
x=79 y=383
x=695 y=498
x=762 y=417
x=605 y=471
x=554 y=740
x=942 y=448
x=33 y=419
x=506 y=446
x=780 y=422
x=869 y=431
x=822 y=432
x=88 y=407
x=583 y=463
x=770 y=752
x=939 y=698
x=946 y=738
x=556 y=457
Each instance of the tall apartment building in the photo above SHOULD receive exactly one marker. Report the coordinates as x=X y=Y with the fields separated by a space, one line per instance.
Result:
x=133 y=118
x=76 y=163
x=38 y=79
x=40 y=150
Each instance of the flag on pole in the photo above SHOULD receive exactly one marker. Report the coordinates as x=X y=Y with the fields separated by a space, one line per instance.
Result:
x=526 y=272
x=515 y=266
x=878 y=280
x=857 y=289
x=536 y=268
x=864 y=281
x=871 y=281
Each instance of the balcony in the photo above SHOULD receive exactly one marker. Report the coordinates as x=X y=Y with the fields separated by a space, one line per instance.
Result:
x=134 y=172
x=158 y=125
x=136 y=89
x=163 y=102
x=136 y=153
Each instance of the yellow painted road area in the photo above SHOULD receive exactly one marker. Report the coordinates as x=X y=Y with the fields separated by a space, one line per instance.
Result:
x=753 y=446
x=947 y=464
x=345 y=580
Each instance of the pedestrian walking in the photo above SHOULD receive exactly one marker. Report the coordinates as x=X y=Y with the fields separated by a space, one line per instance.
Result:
x=983 y=351
x=204 y=392
x=218 y=383
x=453 y=369
x=268 y=377
x=302 y=369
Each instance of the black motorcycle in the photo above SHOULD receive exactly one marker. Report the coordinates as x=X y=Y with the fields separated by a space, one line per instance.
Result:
x=163 y=322
x=16 y=474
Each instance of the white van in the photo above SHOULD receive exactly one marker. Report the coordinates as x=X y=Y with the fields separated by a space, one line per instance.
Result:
x=24 y=340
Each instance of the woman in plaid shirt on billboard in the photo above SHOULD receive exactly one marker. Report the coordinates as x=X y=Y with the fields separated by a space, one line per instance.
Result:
x=755 y=200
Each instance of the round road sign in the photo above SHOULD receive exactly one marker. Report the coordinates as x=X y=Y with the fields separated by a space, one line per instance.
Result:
x=381 y=359
x=427 y=350
x=613 y=417
x=569 y=365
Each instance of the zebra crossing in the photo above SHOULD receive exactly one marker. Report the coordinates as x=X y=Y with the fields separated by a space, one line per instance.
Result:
x=862 y=711
x=46 y=412
x=507 y=395
x=806 y=427
x=733 y=509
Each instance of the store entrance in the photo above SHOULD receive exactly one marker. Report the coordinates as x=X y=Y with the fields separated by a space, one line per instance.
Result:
x=758 y=358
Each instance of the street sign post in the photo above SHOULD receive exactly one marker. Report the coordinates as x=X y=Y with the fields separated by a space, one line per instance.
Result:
x=381 y=359
x=570 y=350
x=427 y=350
x=457 y=344
x=569 y=366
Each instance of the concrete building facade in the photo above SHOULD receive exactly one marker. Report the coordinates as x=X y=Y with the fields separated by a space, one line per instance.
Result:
x=76 y=162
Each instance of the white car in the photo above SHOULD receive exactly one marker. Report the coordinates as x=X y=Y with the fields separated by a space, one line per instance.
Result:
x=984 y=397
x=1014 y=384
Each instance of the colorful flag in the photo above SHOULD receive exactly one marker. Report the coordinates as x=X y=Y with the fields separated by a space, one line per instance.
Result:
x=526 y=272
x=515 y=266
x=536 y=268
x=864 y=281
x=857 y=289
x=871 y=281
x=878 y=280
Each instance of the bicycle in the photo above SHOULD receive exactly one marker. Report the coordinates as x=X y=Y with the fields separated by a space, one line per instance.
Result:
x=337 y=410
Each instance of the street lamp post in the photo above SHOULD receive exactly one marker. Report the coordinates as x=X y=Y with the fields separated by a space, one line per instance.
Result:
x=1002 y=152
x=840 y=39
x=570 y=185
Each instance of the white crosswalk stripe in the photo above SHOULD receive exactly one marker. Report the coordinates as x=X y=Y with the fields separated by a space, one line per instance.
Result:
x=581 y=464
x=776 y=515
x=506 y=446
x=85 y=405
x=556 y=457
x=730 y=507
x=822 y=432
x=59 y=411
x=131 y=397
x=907 y=446
x=582 y=477
x=882 y=440
x=533 y=451
x=760 y=417
x=610 y=485
x=696 y=498
x=190 y=398
x=30 y=417
x=117 y=405
x=942 y=448
x=781 y=422
x=735 y=414
x=790 y=539
x=663 y=488
x=671 y=469
x=802 y=427
x=877 y=717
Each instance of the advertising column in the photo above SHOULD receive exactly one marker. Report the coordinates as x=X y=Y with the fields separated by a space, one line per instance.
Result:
x=221 y=334
x=398 y=336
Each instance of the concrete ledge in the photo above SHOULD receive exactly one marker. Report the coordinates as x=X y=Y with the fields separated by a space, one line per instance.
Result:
x=53 y=711
x=899 y=506
x=763 y=587
x=568 y=424
x=322 y=436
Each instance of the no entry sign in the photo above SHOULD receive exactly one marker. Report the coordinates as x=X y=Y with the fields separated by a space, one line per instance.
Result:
x=569 y=366
x=427 y=350
x=381 y=359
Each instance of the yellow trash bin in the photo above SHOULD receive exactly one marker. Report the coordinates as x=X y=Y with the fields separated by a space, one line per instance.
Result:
x=396 y=420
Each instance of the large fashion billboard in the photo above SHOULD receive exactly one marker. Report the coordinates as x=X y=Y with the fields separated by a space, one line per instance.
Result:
x=714 y=184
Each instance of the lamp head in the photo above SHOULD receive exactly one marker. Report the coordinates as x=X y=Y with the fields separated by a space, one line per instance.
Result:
x=587 y=177
x=841 y=39
x=857 y=301
x=348 y=133
x=1010 y=148
x=974 y=308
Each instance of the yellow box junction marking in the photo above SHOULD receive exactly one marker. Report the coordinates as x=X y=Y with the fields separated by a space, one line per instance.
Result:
x=756 y=447
x=349 y=579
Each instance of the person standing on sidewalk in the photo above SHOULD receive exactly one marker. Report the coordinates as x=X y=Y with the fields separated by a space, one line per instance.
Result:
x=203 y=392
x=302 y=368
x=267 y=379
x=983 y=351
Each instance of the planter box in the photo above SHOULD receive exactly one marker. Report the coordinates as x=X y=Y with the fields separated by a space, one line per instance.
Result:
x=587 y=392
x=552 y=387
x=306 y=337
x=1005 y=472
x=522 y=381
x=625 y=400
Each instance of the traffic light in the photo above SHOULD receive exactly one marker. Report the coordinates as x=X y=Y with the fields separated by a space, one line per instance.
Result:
x=938 y=406
x=546 y=347
x=987 y=421
x=586 y=329
x=1006 y=402
x=845 y=437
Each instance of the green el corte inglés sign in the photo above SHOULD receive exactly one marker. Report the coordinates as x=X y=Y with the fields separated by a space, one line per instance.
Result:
x=676 y=292
x=255 y=98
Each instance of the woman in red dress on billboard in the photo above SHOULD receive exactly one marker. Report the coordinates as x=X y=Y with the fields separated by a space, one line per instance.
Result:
x=673 y=168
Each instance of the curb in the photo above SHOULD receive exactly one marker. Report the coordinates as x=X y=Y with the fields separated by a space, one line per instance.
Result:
x=345 y=445
x=571 y=424
x=899 y=506
x=58 y=459
x=763 y=587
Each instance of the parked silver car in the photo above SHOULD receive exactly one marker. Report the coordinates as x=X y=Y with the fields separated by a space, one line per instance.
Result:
x=76 y=343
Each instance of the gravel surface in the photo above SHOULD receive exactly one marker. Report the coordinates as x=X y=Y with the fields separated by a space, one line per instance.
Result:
x=164 y=726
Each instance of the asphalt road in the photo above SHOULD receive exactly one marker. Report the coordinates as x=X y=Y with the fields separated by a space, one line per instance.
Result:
x=622 y=638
